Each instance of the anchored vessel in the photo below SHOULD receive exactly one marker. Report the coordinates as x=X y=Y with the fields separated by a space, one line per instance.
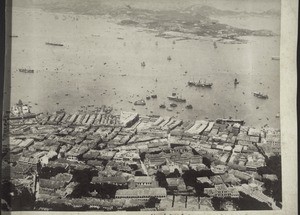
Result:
x=176 y=99
x=189 y=106
x=54 y=44
x=200 y=84
x=26 y=70
x=236 y=81
x=162 y=106
x=140 y=102
x=260 y=95
x=275 y=58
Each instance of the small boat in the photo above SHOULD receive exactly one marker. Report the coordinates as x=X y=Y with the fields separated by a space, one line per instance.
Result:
x=189 y=106
x=275 y=58
x=143 y=64
x=176 y=99
x=154 y=96
x=173 y=104
x=169 y=58
x=215 y=45
x=147 y=97
x=169 y=109
x=13 y=36
x=278 y=115
x=260 y=95
x=162 y=106
x=140 y=102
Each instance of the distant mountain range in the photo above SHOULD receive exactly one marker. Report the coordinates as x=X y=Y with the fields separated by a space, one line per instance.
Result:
x=194 y=19
x=212 y=11
x=101 y=6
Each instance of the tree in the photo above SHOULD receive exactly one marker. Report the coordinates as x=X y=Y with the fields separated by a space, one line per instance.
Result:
x=142 y=156
x=175 y=174
x=139 y=173
x=152 y=202
x=21 y=198
x=206 y=162
x=161 y=178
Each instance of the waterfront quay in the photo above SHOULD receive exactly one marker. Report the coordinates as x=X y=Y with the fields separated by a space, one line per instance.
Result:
x=98 y=160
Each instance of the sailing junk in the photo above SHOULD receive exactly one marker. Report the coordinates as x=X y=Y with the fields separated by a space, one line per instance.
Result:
x=236 y=81
x=260 y=95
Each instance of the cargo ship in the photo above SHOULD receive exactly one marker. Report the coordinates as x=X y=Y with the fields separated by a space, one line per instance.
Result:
x=200 y=84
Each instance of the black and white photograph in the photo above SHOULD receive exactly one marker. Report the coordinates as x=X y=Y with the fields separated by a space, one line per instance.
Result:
x=138 y=105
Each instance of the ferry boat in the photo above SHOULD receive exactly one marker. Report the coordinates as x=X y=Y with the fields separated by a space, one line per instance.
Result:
x=176 y=99
x=260 y=95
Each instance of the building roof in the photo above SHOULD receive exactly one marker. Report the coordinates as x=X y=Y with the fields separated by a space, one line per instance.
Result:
x=220 y=187
x=109 y=180
x=148 y=192
x=28 y=160
x=51 y=184
x=142 y=179
x=175 y=181
x=271 y=177
x=204 y=180
x=64 y=177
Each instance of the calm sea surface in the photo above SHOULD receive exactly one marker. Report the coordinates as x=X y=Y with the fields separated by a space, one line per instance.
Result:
x=100 y=63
